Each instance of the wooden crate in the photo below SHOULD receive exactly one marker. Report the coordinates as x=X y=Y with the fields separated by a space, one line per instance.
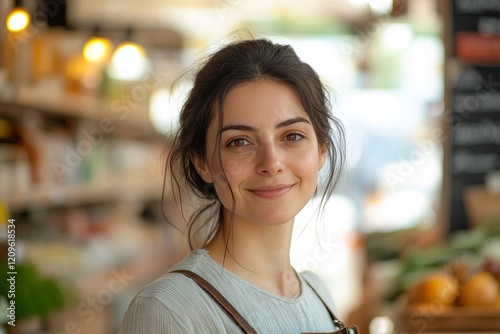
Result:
x=481 y=205
x=440 y=319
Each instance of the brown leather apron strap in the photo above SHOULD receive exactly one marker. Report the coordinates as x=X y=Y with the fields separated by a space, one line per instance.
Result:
x=238 y=318
x=231 y=311
x=342 y=329
x=335 y=320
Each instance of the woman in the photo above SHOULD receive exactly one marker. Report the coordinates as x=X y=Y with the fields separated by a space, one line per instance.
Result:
x=255 y=131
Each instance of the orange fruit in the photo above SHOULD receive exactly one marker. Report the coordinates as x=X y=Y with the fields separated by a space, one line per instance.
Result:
x=479 y=290
x=438 y=288
x=497 y=303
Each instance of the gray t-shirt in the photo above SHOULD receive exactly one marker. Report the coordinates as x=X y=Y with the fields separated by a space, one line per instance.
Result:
x=175 y=303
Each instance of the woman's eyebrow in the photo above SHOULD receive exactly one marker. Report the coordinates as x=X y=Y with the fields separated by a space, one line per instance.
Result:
x=292 y=121
x=283 y=124
x=240 y=127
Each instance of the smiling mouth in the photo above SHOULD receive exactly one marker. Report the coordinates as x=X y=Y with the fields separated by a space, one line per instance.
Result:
x=272 y=191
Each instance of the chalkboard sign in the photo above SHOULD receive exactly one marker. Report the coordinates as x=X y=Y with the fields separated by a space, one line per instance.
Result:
x=476 y=31
x=475 y=133
x=475 y=100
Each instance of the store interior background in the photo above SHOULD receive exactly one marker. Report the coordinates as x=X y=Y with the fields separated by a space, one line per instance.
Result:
x=81 y=159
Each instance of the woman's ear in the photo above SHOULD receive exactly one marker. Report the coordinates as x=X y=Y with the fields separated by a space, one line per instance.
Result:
x=201 y=167
x=322 y=155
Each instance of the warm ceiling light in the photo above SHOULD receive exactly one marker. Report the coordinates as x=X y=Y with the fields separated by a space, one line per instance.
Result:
x=127 y=52
x=97 y=50
x=129 y=62
x=18 y=20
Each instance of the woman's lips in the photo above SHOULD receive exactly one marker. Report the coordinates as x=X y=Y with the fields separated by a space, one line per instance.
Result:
x=272 y=191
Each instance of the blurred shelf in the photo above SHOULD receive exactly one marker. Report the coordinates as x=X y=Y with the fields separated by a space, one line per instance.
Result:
x=125 y=117
x=110 y=191
x=437 y=318
x=126 y=121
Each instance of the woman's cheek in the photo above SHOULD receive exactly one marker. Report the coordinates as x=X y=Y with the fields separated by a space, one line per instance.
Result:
x=233 y=168
x=237 y=164
x=308 y=162
x=307 y=172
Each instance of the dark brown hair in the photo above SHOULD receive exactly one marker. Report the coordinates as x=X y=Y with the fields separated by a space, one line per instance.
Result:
x=237 y=63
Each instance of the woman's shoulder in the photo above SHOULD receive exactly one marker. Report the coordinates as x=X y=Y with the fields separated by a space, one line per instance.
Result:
x=173 y=286
x=165 y=305
x=319 y=286
x=313 y=279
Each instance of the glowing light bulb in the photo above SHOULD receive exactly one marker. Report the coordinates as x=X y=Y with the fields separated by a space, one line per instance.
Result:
x=97 y=50
x=126 y=53
x=18 y=20
x=129 y=62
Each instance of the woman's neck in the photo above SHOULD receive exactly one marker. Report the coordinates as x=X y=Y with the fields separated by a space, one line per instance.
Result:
x=258 y=254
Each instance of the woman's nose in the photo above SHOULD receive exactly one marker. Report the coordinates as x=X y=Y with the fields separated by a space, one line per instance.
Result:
x=269 y=160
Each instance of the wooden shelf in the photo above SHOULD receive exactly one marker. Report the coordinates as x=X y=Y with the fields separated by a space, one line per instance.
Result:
x=130 y=119
x=439 y=319
x=40 y=198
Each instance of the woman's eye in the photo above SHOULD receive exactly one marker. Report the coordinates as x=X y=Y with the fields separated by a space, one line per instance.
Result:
x=294 y=137
x=238 y=142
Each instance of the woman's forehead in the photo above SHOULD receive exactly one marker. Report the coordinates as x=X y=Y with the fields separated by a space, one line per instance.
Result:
x=264 y=101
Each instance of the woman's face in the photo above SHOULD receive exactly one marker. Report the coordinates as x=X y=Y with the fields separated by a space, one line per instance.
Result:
x=269 y=154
